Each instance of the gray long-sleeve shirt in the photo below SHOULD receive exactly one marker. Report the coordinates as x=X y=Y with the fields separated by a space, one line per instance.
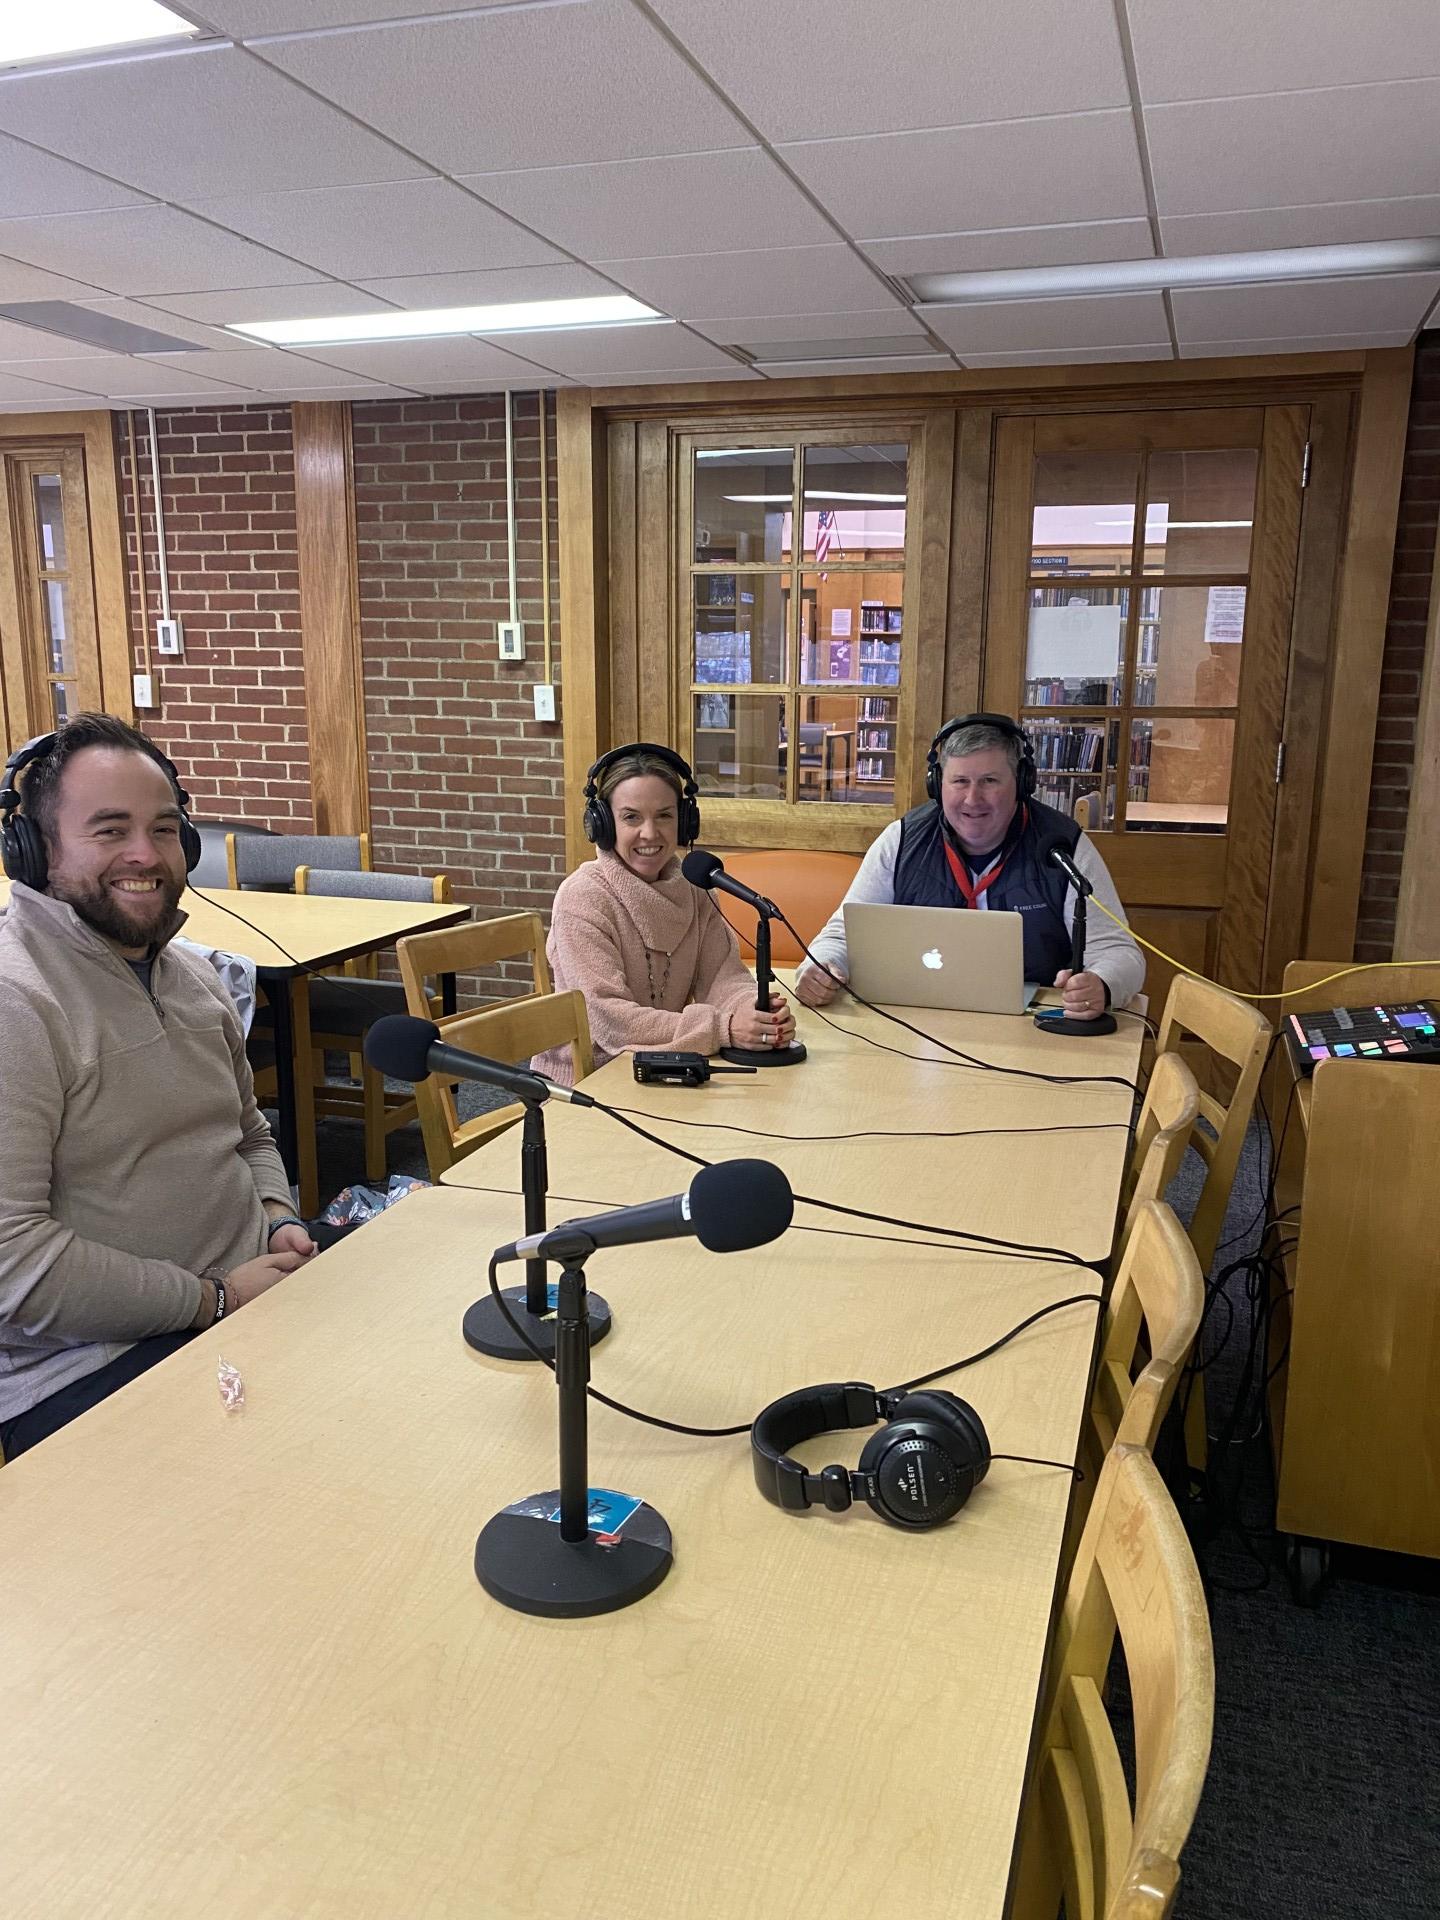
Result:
x=1110 y=951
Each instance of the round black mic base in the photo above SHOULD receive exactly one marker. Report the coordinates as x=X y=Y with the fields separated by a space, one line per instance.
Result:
x=764 y=1056
x=488 y=1331
x=521 y=1561
x=1077 y=1029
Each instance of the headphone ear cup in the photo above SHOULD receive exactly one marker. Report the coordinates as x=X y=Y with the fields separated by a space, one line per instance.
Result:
x=690 y=816
x=24 y=853
x=191 y=844
x=599 y=823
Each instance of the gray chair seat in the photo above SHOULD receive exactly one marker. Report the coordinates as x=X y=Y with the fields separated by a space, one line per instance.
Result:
x=349 y=1006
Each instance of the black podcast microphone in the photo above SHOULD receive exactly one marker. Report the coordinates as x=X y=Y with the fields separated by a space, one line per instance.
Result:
x=730 y=1206
x=705 y=869
x=1061 y=859
x=404 y=1048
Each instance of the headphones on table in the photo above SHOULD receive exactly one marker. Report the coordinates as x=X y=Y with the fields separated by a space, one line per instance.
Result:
x=917 y=1471
x=1025 y=774
x=600 y=815
x=22 y=846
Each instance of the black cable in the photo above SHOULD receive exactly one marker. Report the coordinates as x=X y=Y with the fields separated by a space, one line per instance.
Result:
x=728 y=1433
x=876 y=1133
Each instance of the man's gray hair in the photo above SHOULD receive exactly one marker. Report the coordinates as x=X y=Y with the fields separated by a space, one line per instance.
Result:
x=980 y=739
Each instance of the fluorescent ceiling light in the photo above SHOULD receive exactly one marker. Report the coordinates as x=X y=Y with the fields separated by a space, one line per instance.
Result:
x=879 y=499
x=739 y=453
x=539 y=316
x=1200 y=270
x=783 y=499
x=1160 y=521
x=61 y=27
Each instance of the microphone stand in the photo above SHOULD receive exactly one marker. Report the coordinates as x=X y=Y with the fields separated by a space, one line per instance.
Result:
x=573 y=1550
x=533 y=1305
x=790 y=1056
x=1053 y=1019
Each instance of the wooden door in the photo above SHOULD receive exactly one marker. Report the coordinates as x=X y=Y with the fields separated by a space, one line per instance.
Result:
x=49 y=641
x=1142 y=574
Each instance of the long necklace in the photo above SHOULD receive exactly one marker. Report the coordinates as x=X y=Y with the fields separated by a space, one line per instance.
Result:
x=657 y=994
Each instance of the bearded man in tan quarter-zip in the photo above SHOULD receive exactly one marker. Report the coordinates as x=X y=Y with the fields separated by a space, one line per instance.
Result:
x=142 y=1197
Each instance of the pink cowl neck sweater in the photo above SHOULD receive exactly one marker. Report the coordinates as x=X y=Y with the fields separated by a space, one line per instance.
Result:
x=657 y=963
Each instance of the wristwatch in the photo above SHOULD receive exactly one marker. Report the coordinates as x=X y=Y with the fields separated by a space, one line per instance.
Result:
x=285 y=1220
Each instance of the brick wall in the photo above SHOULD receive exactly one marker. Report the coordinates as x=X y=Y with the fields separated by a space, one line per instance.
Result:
x=1403 y=660
x=462 y=777
x=231 y=712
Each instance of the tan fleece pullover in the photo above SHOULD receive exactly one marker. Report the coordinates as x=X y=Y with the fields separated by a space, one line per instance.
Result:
x=134 y=1156
x=658 y=965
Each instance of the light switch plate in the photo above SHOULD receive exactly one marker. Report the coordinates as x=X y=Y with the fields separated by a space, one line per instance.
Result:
x=544 y=701
x=511 y=635
x=169 y=637
x=144 y=690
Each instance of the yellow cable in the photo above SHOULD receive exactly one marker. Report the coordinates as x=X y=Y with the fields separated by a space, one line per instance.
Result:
x=1368 y=966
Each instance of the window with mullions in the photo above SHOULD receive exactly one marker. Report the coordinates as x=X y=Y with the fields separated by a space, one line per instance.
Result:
x=796 y=602
x=1139 y=571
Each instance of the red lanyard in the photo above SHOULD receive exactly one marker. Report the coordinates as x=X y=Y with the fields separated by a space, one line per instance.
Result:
x=972 y=889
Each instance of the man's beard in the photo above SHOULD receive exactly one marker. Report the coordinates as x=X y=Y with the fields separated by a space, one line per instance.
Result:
x=97 y=908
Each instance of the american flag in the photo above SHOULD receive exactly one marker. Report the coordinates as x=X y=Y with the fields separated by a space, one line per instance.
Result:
x=824 y=533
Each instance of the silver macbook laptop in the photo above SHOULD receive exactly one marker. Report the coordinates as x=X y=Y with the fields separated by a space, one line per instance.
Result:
x=963 y=961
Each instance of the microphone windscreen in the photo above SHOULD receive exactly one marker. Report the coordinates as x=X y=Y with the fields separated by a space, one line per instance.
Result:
x=740 y=1203
x=700 y=866
x=399 y=1046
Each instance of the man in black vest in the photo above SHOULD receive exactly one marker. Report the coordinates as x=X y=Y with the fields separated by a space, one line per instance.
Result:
x=982 y=840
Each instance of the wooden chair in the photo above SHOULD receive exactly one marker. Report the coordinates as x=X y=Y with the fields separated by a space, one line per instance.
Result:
x=344 y=1008
x=1166 y=1125
x=809 y=886
x=1240 y=1035
x=467 y=949
x=1135 y=1572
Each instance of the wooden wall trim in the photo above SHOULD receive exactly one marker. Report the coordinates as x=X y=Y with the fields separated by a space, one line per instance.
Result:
x=107 y=560
x=330 y=615
x=580 y=454
x=1359 y=650
x=1417 y=916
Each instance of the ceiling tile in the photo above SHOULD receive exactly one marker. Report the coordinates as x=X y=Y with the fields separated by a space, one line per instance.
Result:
x=361 y=390
x=143 y=250
x=1338 y=343
x=649 y=208
x=392 y=227
x=1094 y=320
x=207 y=120
x=805 y=369
x=416 y=363
x=1295 y=149
x=260 y=368
x=1072 y=356
x=19 y=281
x=710 y=286
x=245 y=18
x=1014 y=247
x=1382 y=304
x=119 y=377
x=1084 y=166
x=21 y=342
x=812 y=326
x=846 y=69
x=489 y=287
x=316 y=301
x=582 y=351
x=36 y=182
x=1185 y=52
x=18 y=387
x=522 y=87
x=679 y=380
x=1416 y=218
x=140 y=315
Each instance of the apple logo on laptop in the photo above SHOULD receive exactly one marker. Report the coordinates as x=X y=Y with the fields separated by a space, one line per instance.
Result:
x=932 y=959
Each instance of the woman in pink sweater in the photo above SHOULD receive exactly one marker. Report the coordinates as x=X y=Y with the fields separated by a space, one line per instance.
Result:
x=657 y=962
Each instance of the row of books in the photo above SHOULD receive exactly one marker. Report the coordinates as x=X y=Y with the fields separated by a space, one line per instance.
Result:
x=880 y=619
x=1070 y=749
x=878 y=738
x=1069 y=693
x=877 y=707
x=869 y=769
x=874 y=675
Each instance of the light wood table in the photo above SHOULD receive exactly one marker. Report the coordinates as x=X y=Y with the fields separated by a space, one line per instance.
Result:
x=247 y=1668
x=289 y=937
x=1050 y=1188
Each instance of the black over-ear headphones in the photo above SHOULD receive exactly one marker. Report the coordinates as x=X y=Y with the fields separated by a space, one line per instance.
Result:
x=917 y=1471
x=600 y=815
x=22 y=846
x=1002 y=723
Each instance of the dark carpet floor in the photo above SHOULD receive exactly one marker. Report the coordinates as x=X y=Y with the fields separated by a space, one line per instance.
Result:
x=1323 y=1797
